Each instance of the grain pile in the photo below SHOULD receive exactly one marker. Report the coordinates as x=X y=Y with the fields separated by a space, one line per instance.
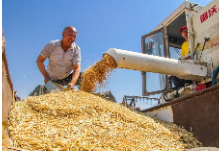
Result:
x=97 y=75
x=78 y=120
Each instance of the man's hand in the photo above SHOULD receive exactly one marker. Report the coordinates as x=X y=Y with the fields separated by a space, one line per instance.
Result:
x=40 y=63
x=47 y=78
x=75 y=77
x=70 y=86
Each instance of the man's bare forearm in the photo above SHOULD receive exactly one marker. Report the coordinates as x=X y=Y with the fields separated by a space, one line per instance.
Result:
x=75 y=76
x=42 y=69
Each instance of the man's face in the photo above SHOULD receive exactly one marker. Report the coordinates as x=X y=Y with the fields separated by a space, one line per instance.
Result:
x=69 y=36
x=184 y=33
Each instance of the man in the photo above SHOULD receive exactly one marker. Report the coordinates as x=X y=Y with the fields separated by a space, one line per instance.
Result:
x=184 y=51
x=185 y=45
x=64 y=59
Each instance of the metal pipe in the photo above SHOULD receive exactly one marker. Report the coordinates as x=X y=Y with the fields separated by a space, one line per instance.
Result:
x=185 y=69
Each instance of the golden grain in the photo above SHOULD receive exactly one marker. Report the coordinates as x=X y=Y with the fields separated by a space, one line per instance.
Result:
x=81 y=120
x=96 y=76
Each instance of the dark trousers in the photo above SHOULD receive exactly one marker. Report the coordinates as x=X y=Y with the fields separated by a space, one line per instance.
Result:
x=64 y=81
x=179 y=82
x=68 y=79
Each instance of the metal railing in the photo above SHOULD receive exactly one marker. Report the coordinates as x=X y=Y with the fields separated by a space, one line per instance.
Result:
x=130 y=101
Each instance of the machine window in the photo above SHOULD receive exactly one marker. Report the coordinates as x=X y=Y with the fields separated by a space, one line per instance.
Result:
x=174 y=52
x=154 y=45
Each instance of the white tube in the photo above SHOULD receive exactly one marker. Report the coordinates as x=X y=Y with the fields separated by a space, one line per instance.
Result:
x=187 y=69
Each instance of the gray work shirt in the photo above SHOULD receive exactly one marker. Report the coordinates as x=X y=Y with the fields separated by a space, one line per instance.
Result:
x=60 y=62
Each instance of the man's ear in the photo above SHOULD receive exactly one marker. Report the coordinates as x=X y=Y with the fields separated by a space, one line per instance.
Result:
x=63 y=34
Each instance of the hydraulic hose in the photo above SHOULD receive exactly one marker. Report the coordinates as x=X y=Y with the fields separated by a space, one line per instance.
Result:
x=214 y=75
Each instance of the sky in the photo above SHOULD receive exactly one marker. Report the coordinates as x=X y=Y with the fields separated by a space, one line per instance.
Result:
x=28 y=25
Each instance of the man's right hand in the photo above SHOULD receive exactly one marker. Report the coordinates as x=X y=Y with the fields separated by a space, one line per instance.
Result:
x=47 y=79
x=40 y=63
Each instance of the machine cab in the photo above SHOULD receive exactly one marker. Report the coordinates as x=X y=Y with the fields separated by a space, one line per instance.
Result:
x=166 y=41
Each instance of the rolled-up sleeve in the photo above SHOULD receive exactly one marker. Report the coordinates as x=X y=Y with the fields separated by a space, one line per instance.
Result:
x=77 y=56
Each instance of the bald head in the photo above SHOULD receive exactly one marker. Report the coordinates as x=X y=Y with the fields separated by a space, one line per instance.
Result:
x=70 y=29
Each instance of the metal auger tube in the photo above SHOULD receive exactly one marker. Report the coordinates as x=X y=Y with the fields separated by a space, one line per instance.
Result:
x=184 y=69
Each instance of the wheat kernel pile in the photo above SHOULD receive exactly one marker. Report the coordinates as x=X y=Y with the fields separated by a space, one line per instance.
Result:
x=78 y=120
x=97 y=75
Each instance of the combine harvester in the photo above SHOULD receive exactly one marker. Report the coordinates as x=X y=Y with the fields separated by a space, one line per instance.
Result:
x=194 y=106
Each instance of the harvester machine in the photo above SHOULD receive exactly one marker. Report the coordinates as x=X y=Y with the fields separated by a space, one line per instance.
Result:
x=195 y=105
